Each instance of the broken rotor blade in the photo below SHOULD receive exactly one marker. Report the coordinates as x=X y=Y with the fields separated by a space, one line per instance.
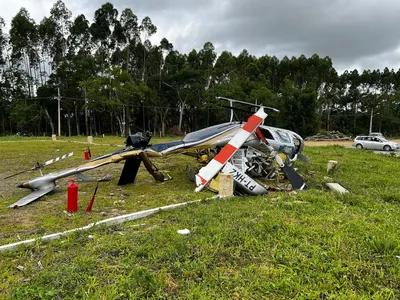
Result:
x=303 y=158
x=212 y=168
x=294 y=178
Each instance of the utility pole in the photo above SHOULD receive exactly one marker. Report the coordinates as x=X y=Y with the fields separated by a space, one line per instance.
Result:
x=59 y=111
x=370 y=120
x=144 y=119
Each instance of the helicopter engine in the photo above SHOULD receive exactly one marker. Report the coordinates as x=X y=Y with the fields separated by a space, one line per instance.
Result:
x=254 y=162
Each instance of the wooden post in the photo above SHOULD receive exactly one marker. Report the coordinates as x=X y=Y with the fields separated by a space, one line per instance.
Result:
x=331 y=166
x=225 y=185
x=90 y=139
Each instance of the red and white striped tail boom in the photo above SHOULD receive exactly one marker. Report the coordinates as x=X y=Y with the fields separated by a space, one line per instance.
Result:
x=215 y=165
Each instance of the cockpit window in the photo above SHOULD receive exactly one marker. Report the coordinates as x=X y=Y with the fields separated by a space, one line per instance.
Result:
x=267 y=134
x=283 y=136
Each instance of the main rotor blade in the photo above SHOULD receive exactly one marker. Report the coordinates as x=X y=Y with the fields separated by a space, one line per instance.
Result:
x=238 y=109
x=217 y=163
x=248 y=103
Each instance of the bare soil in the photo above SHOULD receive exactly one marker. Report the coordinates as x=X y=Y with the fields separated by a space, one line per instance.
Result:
x=332 y=142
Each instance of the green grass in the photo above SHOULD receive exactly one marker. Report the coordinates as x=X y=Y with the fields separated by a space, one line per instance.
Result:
x=313 y=244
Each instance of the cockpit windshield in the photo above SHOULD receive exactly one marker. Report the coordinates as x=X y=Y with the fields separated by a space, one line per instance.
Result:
x=283 y=136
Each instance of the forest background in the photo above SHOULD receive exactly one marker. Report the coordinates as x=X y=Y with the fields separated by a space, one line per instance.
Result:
x=110 y=79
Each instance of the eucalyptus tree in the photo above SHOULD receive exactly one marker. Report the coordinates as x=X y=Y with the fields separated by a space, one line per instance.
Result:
x=224 y=65
x=4 y=83
x=3 y=43
x=82 y=65
x=114 y=91
x=298 y=109
x=24 y=41
x=102 y=30
x=131 y=33
x=60 y=15
x=147 y=29
x=79 y=37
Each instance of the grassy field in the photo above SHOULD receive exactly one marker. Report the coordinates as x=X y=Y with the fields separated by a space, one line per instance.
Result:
x=313 y=244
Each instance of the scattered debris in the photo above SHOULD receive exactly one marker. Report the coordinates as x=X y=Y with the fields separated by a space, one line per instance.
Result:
x=184 y=231
x=68 y=213
x=336 y=187
x=21 y=268
x=332 y=164
x=90 y=237
x=119 y=202
x=40 y=265
x=328 y=136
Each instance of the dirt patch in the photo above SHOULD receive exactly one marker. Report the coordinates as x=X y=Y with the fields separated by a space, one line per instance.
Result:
x=328 y=143
x=331 y=143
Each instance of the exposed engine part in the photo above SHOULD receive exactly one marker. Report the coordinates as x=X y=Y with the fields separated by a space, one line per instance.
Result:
x=254 y=162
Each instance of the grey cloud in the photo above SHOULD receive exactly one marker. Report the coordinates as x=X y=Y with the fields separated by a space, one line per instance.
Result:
x=354 y=33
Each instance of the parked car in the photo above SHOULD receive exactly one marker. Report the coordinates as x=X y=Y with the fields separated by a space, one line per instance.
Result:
x=374 y=143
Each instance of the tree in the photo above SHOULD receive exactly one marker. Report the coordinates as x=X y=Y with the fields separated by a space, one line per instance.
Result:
x=117 y=93
x=147 y=29
x=130 y=28
x=101 y=30
x=24 y=41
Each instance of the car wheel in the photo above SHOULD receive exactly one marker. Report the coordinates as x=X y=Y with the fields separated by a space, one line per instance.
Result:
x=387 y=148
x=359 y=146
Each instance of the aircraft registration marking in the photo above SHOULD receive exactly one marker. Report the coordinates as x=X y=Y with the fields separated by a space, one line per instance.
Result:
x=242 y=178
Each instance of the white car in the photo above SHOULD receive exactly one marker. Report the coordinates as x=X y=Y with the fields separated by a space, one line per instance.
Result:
x=374 y=143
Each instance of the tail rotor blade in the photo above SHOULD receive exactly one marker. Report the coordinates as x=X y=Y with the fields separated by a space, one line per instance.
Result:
x=39 y=166
x=49 y=162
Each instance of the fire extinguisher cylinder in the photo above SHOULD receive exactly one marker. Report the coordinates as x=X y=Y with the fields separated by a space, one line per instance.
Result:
x=72 y=202
x=87 y=154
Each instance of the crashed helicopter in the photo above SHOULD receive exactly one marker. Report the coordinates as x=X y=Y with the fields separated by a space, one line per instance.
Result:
x=245 y=149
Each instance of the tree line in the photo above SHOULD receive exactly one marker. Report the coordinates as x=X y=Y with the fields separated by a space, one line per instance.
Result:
x=110 y=79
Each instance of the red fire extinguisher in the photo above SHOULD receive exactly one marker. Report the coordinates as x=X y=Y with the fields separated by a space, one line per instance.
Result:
x=72 y=204
x=87 y=153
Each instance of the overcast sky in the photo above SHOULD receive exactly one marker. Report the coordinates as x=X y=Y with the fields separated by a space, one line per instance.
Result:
x=361 y=34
